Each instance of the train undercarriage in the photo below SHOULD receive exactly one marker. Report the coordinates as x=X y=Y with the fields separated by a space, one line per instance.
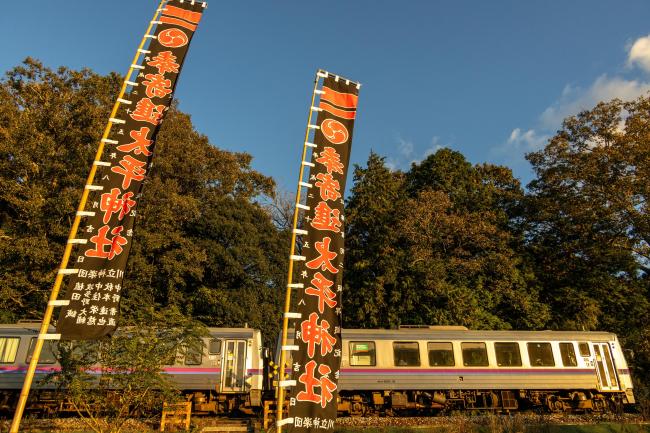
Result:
x=378 y=403
x=409 y=403
x=50 y=402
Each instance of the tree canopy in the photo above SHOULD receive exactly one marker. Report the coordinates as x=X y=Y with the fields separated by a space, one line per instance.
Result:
x=446 y=242
x=203 y=242
x=433 y=246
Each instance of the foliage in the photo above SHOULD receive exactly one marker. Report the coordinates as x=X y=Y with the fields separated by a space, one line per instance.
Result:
x=436 y=245
x=446 y=242
x=370 y=265
x=112 y=380
x=588 y=225
x=202 y=241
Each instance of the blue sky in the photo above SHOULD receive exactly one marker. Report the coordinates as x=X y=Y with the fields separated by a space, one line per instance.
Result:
x=490 y=79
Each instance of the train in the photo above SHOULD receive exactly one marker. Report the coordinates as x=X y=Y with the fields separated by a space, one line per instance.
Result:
x=226 y=376
x=410 y=370
x=432 y=368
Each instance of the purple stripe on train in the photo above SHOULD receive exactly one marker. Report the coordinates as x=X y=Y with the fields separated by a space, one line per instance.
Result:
x=464 y=371
x=170 y=370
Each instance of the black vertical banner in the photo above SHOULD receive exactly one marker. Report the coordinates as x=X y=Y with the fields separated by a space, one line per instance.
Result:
x=106 y=232
x=316 y=363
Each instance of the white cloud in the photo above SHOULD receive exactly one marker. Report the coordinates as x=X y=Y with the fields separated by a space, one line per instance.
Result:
x=405 y=147
x=573 y=100
x=408 y=153
x=435 y=146
x=518 y=144
x=527 y=141
x=639 y=53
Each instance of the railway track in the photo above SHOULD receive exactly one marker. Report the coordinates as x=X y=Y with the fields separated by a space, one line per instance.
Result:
x=483 y=419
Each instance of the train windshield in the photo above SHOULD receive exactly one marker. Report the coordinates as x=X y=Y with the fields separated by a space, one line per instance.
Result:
x=47 y=353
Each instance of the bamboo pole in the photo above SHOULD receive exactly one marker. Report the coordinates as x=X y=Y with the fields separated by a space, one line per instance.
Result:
x=47 y=317
x=287 y=299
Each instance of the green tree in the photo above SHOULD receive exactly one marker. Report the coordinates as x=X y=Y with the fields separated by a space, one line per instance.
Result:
x=371 y=266
x=202 y=241
x=588 y=225
x=109 y=381
x=440 y=244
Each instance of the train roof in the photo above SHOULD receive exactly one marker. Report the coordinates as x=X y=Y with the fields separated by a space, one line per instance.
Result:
x=29 y=328
x=464 y=334
x=232 y=332
x=32 y=328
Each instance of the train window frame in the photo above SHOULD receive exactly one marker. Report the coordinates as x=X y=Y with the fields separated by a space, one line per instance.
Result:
x=584 y=345
x=395 y=360
x=212 y=340
x=574 y=360
x=192 y=351
x=4 y=346
x=541 y=359
x=463 y=348
x=515 y=361
x=451 y=349
x=373 y=352
x=48 y=346
x=172 y=359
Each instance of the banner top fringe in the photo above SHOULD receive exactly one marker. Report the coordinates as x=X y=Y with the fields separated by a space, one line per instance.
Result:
x=203 y=4
x=323 y=73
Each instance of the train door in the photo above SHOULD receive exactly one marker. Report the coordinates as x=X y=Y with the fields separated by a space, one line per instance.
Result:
x=605 y=367
x=233 y=370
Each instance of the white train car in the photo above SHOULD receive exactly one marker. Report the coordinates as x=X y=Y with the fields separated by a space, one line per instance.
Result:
x=227 y=375
x=433 y=368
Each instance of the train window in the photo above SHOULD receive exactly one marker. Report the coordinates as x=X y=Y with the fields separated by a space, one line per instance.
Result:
x=474 y=354
x=508 y=354
x=8 y=349
x=47 y=353
x=362 y=353
x=193 y=356
x=441 y=354
x=170 y=359
x=406 y=354
x=215 y=347
x=568 y=355
x=540 y=355
x=584 y=349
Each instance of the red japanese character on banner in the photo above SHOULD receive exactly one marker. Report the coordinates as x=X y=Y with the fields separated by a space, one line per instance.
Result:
x=147 y=111
x=329 y=188
x=310 y=381
x=157 y=85
x=101 y=241
x=323 y=261
x=131 y=169
x=331 y=160
x=110 y=203
x=326 y=218
x=165 y=61
x=141 y=144
x=312 y=334
x=322 y=290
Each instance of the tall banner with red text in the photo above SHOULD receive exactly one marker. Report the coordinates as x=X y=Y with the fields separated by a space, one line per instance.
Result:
x=106 y=232
x=315 y=365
